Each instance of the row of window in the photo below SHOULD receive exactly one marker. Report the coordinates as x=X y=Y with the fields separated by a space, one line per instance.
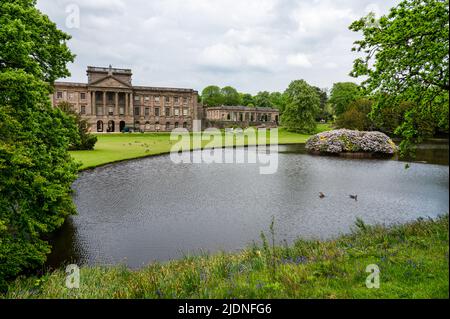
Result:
x=157 y=111
x=137 y=98
x=70 y=95
x=158 y=99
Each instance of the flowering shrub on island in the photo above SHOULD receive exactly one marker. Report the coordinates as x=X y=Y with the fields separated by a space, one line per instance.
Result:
x=348 y=141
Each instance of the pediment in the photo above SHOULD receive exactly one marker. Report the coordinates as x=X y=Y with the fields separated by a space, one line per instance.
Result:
x=110 y=82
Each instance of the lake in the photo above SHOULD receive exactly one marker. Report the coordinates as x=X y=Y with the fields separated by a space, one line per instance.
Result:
x=151 y=209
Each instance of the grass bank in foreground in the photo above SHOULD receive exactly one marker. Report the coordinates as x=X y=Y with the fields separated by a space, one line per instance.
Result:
x=112 y=148
x=412 y=258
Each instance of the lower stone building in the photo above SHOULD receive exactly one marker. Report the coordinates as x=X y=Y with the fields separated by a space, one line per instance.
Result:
x=228 y=116
x=110 y=103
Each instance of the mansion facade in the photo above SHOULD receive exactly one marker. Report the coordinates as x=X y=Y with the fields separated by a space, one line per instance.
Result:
x=110 y=103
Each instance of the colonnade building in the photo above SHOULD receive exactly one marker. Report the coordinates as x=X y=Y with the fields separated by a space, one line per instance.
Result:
x=110 y=103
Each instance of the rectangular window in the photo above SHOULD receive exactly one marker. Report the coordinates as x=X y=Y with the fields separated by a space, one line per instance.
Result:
x=185 y=100
x=167 y=111
x=59 y=95
x=147 y=111
x=157 y=98
x=176 y=112
x=176 y=99
x=147 y=98
x=83 y=96
x=110 y=110
x=83 y=110
x=99 y=110
x=137 y=98
x=137 y=111
x=167 y=99
x=122 y=110
x=156 y=111
x=185 y=112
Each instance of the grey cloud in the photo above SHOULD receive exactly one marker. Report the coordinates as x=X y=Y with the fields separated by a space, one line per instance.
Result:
x=253 y=45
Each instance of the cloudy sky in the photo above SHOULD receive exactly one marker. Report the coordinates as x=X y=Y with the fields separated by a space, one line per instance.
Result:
x=253 y=45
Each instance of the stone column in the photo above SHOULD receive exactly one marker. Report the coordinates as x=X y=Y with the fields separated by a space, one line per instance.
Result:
x=93 y=103
x=116 y=112
x=104 y=103
x=126 y=103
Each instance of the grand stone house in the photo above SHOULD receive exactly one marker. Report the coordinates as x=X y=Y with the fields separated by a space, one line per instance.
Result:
x=225 y=116
x=111 y=103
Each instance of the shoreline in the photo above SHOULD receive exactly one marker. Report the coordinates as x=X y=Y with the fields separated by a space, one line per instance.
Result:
x=329 y=269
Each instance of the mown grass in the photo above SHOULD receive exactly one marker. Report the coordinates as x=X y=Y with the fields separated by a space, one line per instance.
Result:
x=112 y=148
x=412 y=258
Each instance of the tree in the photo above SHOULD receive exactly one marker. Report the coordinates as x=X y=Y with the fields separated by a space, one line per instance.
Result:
x=246 y=99
x=342 y=94
x=326 y=112
x=262 y=99
x=212 y=96
x=356 y=117
x=36 y=170
x=406 y=58
x=277 y=100
x=83 y=141
x=230 y=96
x=302 y=107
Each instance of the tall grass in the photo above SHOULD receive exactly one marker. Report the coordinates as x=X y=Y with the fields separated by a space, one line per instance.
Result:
x=412 y=258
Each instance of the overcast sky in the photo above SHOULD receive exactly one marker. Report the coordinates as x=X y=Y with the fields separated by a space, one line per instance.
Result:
x=253 y=45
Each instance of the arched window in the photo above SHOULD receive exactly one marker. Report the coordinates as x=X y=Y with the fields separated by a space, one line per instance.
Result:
x=111 y=126
x=99 y=126
x=167 y=126
x=185 y=125
x=122 y=126
x=157 y=127
x=147 y=126
x=176 y=125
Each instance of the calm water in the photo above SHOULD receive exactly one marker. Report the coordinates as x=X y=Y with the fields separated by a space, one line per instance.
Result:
x=153 y=210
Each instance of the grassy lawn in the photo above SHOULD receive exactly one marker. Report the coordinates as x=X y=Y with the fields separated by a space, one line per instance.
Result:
x=112 y=148
x=412 y=259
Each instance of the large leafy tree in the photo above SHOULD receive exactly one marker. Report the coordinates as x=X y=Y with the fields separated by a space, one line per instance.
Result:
x=247 y=99
x=302 y=107
x=406 y=58
x=342 y=94
x=326 y=112
x=230 y=96
x=36 y=171
x=83 y=141
x=212 y=96
x=262 y=99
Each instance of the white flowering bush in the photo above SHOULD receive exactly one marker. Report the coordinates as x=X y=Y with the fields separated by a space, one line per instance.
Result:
x=348 y=141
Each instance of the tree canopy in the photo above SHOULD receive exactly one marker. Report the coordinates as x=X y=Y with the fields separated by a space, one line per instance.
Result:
x=36 y=170
x=406 y=58
x=342 y=94
x=230 y=96
x=303 y=104
x=212 y=96
x=262 y=99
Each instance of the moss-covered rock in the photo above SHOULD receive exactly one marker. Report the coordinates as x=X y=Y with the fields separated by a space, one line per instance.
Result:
x=348 y=141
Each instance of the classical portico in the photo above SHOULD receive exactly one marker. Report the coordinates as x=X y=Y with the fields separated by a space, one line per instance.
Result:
x=111 y=103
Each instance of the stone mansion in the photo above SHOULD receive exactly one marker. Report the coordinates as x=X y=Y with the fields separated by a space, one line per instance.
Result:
x=111 y=103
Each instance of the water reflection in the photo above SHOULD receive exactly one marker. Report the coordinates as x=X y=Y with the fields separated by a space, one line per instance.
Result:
x=152 y=210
